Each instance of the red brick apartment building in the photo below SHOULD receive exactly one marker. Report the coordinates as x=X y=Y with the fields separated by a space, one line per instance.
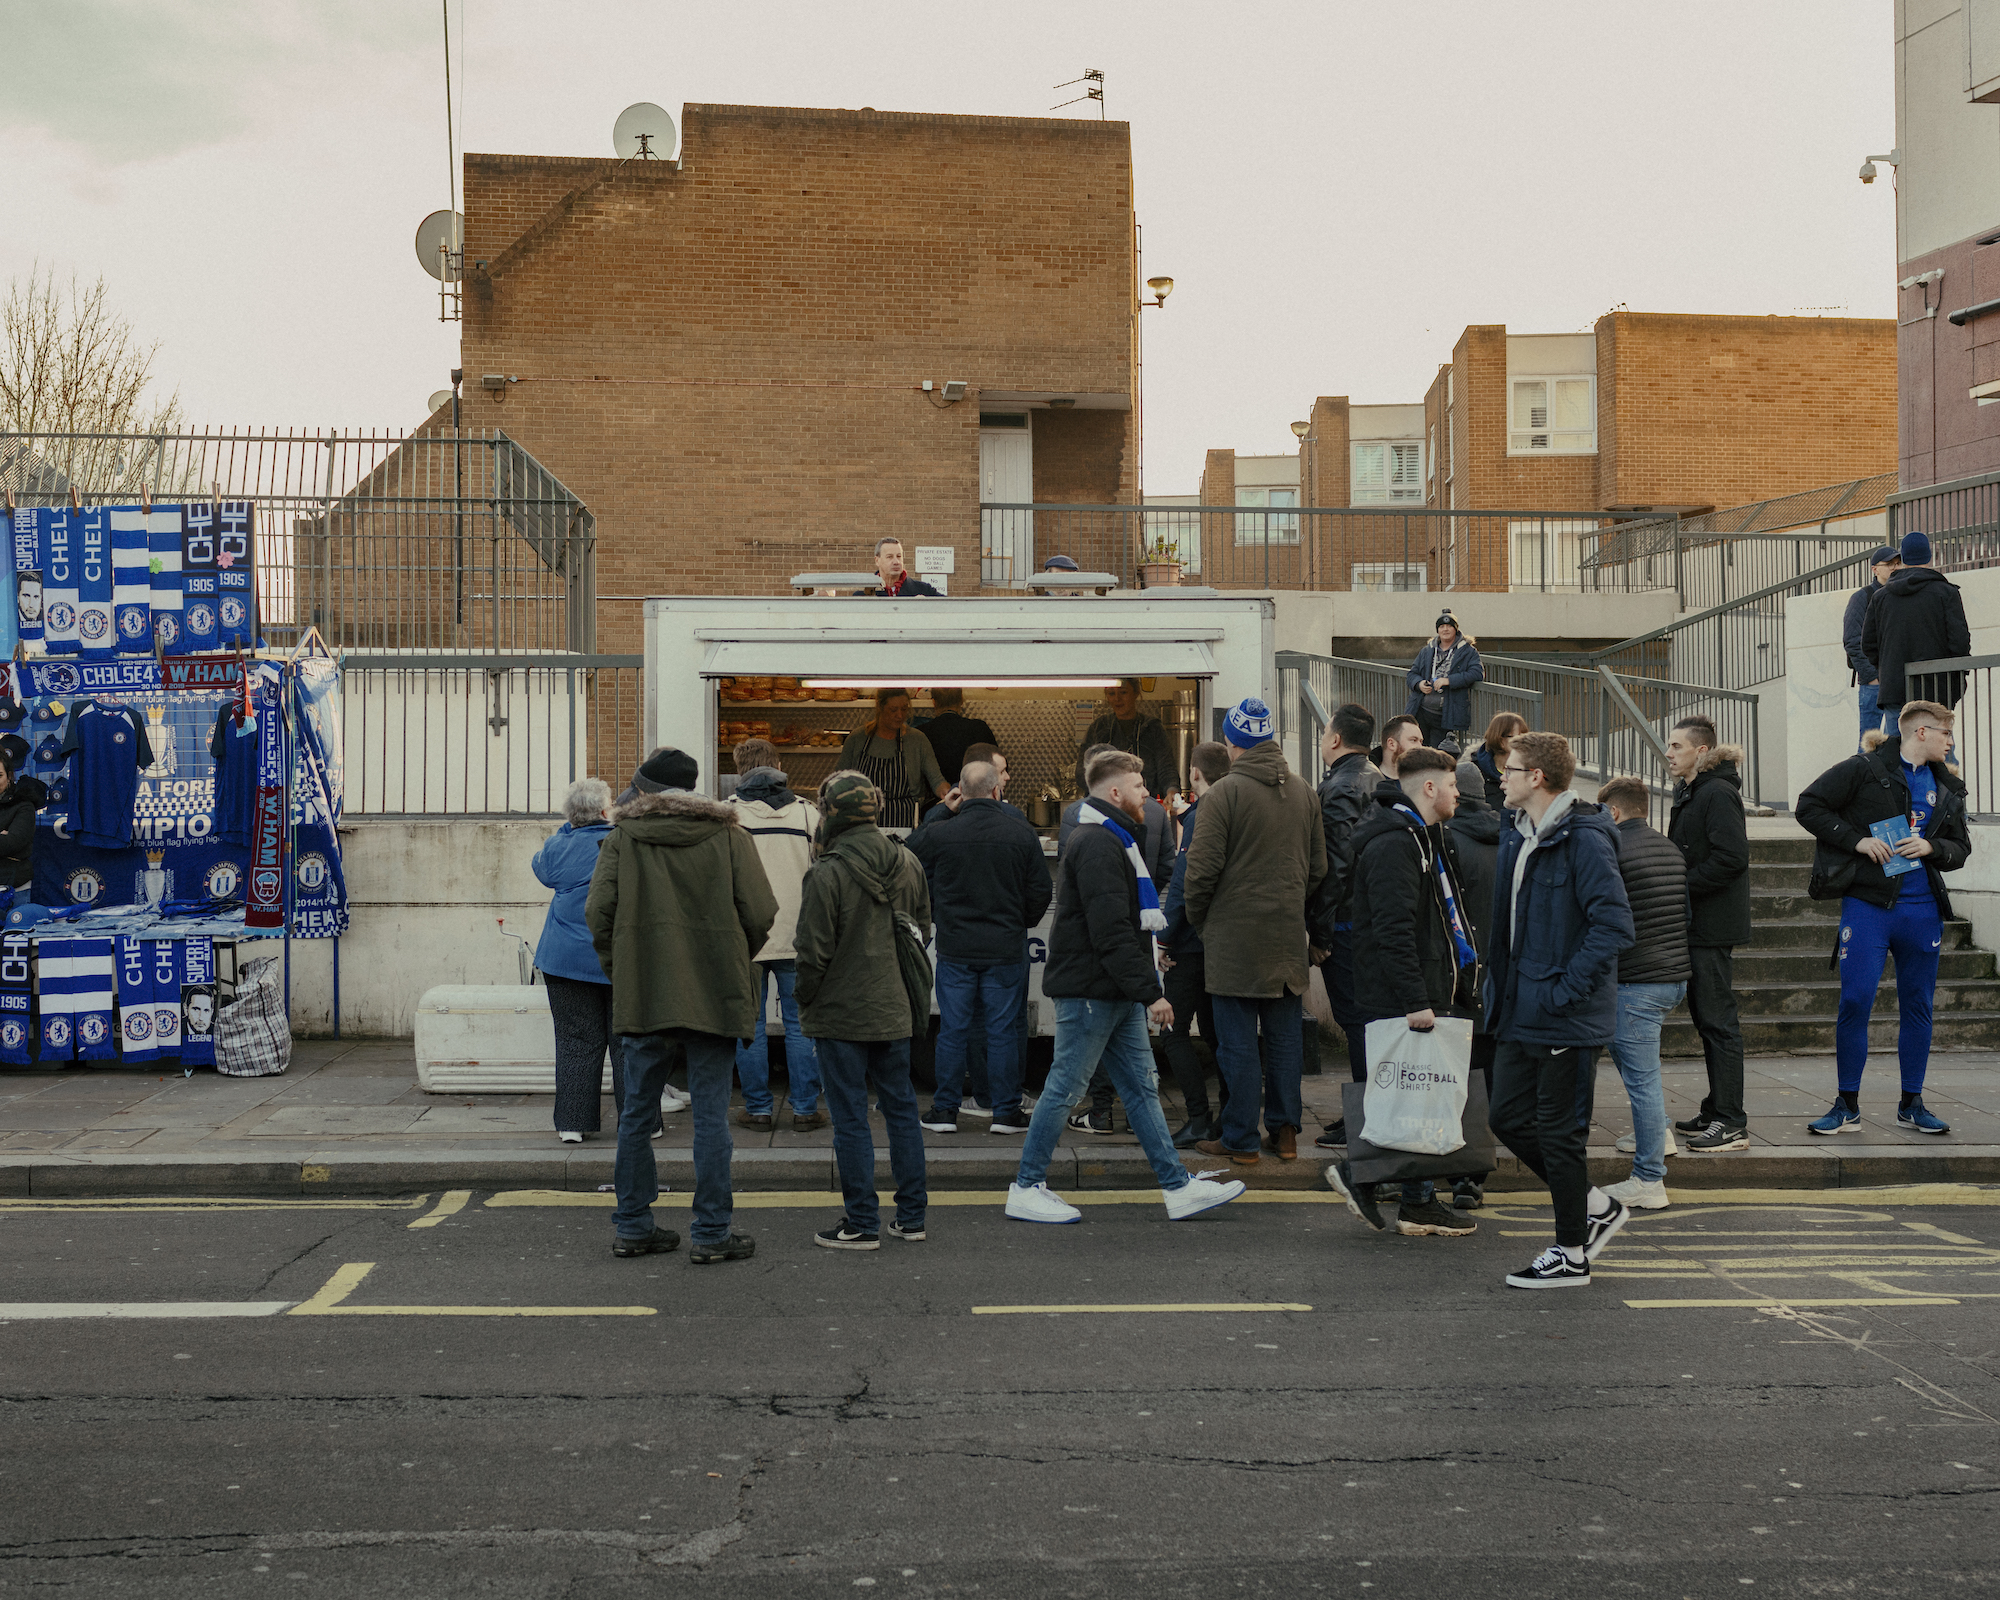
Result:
x=725 y=356
x=1643 y=413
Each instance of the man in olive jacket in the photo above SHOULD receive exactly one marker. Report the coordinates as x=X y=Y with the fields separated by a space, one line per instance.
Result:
x=1259 y=851
x=678 y=905
x=855 y=1008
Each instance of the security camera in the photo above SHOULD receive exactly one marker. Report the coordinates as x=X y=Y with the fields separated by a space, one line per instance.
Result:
x=1867 y=172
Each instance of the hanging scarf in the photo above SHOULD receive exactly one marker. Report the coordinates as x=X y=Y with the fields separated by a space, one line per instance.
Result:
x=1151 y=917
x=1459 y=936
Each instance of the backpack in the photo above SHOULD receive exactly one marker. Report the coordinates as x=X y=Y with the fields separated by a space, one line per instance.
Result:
x=914 y=962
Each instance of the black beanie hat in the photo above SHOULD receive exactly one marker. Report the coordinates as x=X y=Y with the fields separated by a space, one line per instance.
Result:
x=666 y=769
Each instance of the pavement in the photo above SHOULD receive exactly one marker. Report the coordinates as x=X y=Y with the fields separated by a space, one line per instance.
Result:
x=1780 y=1393
x=348 y=1117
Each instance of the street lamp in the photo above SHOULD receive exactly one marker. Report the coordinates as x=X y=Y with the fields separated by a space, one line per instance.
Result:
x=1161 y=287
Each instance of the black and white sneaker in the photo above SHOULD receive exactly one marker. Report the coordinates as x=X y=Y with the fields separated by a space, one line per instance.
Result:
x=1603 y=1225
x=1716 y=1137
x=1694 y=1124
x=1016 y=1122
x=914 y=1234
x=843 y=1235
x=1552 y=1269
x=937 y=1122
x=1097 y=1122
x=1333 y=1136
x=1360 y=1197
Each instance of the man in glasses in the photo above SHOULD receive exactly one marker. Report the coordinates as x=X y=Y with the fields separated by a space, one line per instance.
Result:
x=1560 y=918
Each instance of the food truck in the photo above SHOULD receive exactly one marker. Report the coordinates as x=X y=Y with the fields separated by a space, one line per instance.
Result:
x=803 y=671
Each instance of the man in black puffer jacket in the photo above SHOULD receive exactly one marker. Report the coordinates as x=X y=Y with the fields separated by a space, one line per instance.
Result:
x=1918 y=616
x=1652 y=980
x=1707 y=826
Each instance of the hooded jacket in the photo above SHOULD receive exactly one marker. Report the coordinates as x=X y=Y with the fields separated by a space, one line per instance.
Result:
x=1552 y=950
x=24 y=797
x=1405 y=958
x=1179 y=937
x=1852 y=621
x=989 y=882
x=781 y=825
x=848 y=979
x=565 y=863
x=1258 y=854
x=678 y=905
x=1346 y=794
x=1838 y=806
x=1918 y=616
x=1656 y=886
x=1097 y=948
x=1707 y=826
x=1460 y=667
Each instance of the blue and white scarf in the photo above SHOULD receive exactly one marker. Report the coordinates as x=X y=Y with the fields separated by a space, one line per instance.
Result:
x=1151 y=917
x=1459 y=936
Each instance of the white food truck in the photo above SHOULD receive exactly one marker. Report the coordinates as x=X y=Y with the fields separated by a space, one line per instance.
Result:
x=802 y=672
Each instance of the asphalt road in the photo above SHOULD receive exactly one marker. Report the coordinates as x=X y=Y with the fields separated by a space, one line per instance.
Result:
x=814 y=1422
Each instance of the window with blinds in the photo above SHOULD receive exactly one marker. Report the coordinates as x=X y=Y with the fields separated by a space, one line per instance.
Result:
x=1383 y=474
x=1553 y=415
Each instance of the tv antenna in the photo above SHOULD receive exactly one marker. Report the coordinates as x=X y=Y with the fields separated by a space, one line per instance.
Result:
x=643 y=133
x=1093 y=78
x=441 y=253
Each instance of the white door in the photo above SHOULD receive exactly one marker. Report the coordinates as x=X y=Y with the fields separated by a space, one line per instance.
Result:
x=1006 y=477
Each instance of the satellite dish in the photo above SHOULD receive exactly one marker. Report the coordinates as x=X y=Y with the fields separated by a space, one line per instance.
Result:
x=440 y=400
x=441 y=229
x=644 y=131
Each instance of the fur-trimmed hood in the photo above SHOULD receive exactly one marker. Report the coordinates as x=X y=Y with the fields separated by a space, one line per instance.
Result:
x=1719 y=754
x=672 y=818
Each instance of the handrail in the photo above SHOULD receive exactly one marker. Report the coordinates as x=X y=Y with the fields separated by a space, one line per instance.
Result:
x=1294 y=659
x=1930 y=491
x=1394 y=508
x=1630 y=708
x=1633 y=677
x=1952 y=664
x=1726 y=607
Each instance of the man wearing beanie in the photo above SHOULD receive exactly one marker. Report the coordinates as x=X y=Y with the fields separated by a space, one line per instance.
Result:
x=678 y=906
x=1883 y=565
x=1258 y=854
x=1918 y=616
x=856 y=1007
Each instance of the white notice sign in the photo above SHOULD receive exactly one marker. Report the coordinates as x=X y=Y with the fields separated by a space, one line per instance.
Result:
x=936 y=558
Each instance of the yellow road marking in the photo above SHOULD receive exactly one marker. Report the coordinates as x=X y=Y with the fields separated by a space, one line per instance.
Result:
x=1060 y=1311
x=1938 y=1233
x=183 y=1204
x=346 y=1279
x=449 y=1205
x=1779 y=1305
x=790 y=1199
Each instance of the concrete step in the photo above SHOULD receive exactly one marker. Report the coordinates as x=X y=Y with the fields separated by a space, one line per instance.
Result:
x=1779 y=877
x=1823 y=995
x=1765 y=851
x=1813 y=1035
x=1794 y=904
x=1801 y=934
x=1755 y=967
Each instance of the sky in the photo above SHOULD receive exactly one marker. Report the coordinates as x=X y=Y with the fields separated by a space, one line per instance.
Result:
x=1336 y=188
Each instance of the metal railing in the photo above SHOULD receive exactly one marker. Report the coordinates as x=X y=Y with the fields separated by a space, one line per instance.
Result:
x=1966 y=684
x=482 y=735
x=434 y=540
x=1962 y=519
x=1312 y=687
x=1387 y=548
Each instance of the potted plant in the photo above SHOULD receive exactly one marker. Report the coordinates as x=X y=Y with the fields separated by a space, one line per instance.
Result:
x=1160 y=563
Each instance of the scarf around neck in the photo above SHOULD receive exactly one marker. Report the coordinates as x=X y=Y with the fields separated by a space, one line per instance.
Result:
x=1151 y=917
x=1459 y=934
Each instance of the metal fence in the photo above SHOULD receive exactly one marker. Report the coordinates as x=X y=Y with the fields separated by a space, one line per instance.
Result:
x=1966 y=684
x=1312 y=687
x=1962 y=517
x=483 y=735
x=434 y=540
x=1311 y=547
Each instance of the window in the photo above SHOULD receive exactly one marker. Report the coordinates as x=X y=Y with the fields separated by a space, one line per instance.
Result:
x=1556 y=415
x=1548 y=554
x=1431 y=458
x=1003 y=419
x=1386 y=472
x=1272 y=527
x=1384 y=577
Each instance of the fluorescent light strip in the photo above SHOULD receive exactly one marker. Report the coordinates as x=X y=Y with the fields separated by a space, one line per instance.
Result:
x=960 y=683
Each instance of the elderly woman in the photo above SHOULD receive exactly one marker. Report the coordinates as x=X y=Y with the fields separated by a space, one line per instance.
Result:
x=579 y=993
x=897 y=759
x=1440 y=682
x=1491 y=756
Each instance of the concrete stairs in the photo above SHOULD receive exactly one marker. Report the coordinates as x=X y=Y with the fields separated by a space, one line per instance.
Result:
x=1788 y=994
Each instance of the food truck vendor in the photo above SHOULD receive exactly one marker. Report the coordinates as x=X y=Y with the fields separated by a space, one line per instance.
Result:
x=1125 y=727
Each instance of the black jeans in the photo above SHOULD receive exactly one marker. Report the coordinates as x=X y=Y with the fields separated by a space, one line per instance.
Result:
x=1337 y=973
x=1434 y=730
x=1712 y=1004
x=1186 y=987
x=1541 y=1111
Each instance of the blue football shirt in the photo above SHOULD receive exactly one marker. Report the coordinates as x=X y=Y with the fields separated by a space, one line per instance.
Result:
x=107 y=746
x=235 y=753
x=1923 y=801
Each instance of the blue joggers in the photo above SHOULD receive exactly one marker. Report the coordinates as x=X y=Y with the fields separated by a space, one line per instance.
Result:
x=1914 y=934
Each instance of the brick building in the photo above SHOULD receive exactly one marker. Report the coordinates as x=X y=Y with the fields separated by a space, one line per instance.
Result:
x=724 y=355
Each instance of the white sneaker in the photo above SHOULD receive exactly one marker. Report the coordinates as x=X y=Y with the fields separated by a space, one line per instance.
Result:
x=968 y=1109
x=1647 y=1196
x=1036 y=1204
x=570 y=1138
x=1198 y=1195
x=673 y=1100
x=1630 y=1146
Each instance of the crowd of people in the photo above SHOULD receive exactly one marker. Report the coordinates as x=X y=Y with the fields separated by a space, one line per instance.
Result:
x=1422 y=883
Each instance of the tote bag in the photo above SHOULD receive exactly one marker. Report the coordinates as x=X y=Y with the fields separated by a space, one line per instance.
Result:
x=1417 y=1085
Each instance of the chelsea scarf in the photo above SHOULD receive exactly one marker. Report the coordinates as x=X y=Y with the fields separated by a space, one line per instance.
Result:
x=1465 y=953
x=1151 y=917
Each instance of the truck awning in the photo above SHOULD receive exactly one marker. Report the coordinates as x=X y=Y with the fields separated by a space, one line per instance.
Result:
x=924 y=660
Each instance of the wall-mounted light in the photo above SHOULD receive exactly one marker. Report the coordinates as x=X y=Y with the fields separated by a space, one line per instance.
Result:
x=1894 y=158
x=1161 y=288
x=954 y=389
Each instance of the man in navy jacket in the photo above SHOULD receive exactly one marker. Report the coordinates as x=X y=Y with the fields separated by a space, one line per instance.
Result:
x=1560 y=918
x=1883 y=565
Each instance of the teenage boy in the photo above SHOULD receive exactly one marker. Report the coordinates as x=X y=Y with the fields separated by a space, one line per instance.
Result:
x=1883 y=914
x=1560 y=918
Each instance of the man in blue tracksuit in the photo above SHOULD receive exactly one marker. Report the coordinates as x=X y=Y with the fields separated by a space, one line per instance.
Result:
x=1560 y=918
x=1884 y=913
x=1883 y=565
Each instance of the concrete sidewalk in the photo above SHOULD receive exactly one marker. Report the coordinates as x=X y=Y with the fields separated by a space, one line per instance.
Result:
x=349 y=1117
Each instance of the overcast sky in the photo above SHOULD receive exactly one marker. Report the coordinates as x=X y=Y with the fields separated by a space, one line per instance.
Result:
x=1337 y=188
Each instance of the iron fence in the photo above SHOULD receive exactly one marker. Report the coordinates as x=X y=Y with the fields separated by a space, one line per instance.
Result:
x=1312 y=687
x=1310 y=547
x=1962 y=519
x=1966 y=684
x=434 y=540
x=485 y=735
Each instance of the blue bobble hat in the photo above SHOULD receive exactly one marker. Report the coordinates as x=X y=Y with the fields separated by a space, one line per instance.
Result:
x=1916 y=550
x=1248 y=724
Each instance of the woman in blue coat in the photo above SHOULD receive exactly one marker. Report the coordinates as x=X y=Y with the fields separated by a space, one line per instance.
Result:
x=579 y=993
x=1441 y=680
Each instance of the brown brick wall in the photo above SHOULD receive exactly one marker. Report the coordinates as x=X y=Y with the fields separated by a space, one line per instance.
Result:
x=724 y=361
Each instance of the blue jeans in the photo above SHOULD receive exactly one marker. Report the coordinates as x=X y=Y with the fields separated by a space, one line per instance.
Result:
x=1642 y=1008
x=1115 y=1032
x=1914 y=934
x=753 y=1060
x=993 y=994
x=1872 y=715
x=1280 y=1064
x=645 y=1059
x=850 y=1069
